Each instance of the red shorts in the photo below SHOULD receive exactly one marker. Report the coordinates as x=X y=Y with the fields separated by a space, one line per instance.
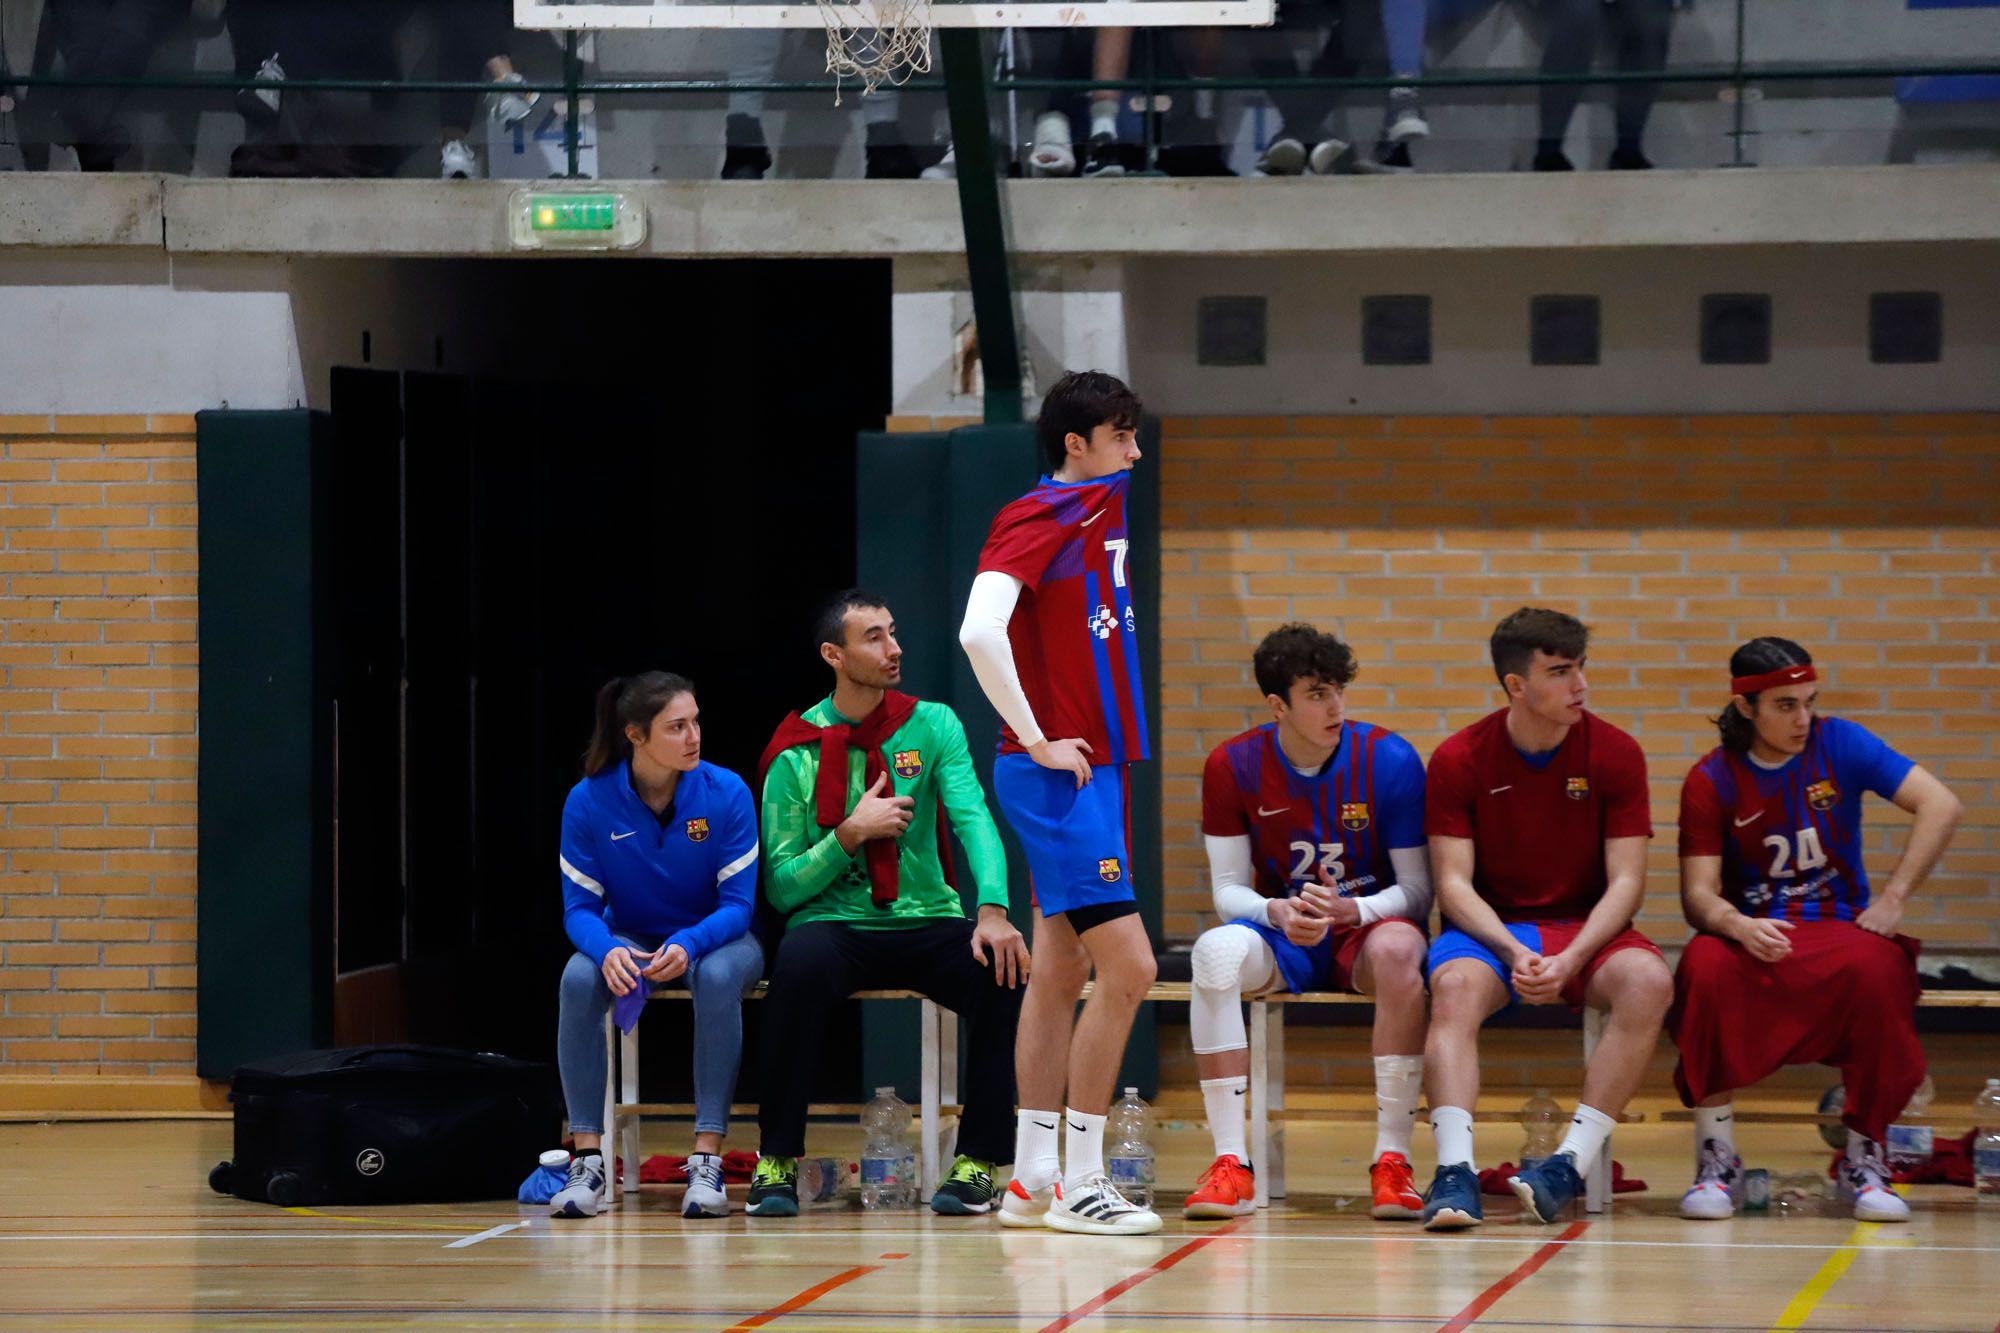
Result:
x=1347 y=950
x=1843 y=997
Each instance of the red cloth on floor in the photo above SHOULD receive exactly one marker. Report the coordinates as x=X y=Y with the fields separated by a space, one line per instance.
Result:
x=1842 y=997
x=1493 y=1180
x=1950 y=1163
x=661 y=1169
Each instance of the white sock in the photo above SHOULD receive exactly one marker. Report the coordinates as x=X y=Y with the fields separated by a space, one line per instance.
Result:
x=1083 y=1147
x=1589 y=1131
x=1104 y=118
x=1398 y=1081
x=1223 y=1098
x=1858 y=1145
x=1715 y=1122
x=1452 y=1126
x=1036 y=1165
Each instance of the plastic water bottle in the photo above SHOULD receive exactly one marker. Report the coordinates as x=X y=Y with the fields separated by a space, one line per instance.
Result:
x=1129 y=1155
x=1986 y=1143
x=888 y=1174
x=1911 y=1144
x=819 y=1179
x=1543 y=1122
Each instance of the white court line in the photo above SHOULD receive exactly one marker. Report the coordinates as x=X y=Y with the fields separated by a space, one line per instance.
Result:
x=487 y=1234
x=988 y=1238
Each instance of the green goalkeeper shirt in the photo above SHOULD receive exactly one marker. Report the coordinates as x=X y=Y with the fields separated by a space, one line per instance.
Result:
x=807 y=877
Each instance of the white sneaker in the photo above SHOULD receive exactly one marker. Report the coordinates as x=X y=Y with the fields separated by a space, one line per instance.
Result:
x=944 y=169
x=1325 y=154
x=1865 y=1179
x=1284 y=157
x=584 y=1194
x=1717 y=1178
x=1096 y=1208
x=1406 y=117
x=458 y=163
x=1052 y=154
x=1021 y=1208
x=705 y=1195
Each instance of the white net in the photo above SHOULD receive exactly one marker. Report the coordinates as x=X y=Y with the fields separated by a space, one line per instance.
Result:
x=876 y=42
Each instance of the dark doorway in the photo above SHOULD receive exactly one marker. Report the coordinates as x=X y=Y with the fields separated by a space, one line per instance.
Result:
x=660 y=475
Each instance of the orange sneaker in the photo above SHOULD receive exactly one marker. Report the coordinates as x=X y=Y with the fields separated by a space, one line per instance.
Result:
x=1227 y=1189
x=1396 y=1194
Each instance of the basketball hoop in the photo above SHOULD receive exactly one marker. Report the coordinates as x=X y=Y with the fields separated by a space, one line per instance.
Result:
x=876 y=42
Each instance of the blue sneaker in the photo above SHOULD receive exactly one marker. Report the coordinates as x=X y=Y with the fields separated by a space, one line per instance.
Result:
x=1453 y=1201
x=1547 y=1187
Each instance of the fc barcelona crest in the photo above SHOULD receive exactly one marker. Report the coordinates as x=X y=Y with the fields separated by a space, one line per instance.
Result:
x=1354 y=816
x=1578 y=789
x=1108 y=870
x=908 y=763
x=1823 y=795
x=697 y=830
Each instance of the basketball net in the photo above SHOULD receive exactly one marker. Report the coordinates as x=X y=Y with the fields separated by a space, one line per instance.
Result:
x=876 y=42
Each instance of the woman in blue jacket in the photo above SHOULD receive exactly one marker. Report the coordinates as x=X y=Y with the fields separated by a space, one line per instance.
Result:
x=659 y=872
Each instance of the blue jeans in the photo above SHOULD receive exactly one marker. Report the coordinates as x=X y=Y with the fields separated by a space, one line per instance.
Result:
x=717 y=979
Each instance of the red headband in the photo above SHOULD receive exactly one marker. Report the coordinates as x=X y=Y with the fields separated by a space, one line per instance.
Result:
x=1791 y=675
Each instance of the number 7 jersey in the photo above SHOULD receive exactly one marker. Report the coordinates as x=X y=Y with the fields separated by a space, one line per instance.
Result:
x=1790 y=837
x=1074 y=635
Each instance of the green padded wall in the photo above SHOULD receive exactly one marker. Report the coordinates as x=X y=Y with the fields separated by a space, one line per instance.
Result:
x=264 y=916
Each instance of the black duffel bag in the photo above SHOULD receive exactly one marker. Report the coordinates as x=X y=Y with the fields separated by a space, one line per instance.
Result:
x=388 y=1124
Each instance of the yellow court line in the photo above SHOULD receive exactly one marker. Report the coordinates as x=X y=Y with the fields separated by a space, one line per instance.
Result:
x=1809 y=1296
x=382 y=1221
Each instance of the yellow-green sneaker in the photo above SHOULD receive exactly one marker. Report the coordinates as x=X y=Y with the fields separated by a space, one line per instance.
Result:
x=966 y=1188
x=774 y=1188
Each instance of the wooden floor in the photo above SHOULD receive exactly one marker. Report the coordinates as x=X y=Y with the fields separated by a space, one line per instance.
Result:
x=113 y=1226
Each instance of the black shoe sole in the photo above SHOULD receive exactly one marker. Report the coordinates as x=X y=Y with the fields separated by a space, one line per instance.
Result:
x=774 y=1208
x=953 y=1206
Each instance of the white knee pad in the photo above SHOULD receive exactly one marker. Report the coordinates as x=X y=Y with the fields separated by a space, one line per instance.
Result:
x=1228 y=961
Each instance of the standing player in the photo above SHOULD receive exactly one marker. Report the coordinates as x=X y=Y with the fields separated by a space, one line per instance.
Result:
x=1050 y=631
x=1538 y=818
x=1314 y=827
x=1771 y=875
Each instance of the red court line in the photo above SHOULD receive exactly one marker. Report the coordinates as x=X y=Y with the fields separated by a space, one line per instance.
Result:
x=1484 y=1301
x=804 y=1298
x=1123 y=1285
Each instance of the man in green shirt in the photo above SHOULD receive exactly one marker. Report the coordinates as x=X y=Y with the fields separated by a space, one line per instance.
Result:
x=855 y=863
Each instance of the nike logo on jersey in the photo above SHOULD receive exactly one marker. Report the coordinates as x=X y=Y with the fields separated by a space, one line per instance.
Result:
x=1092 y=519
x=1497 y=790
x=616 y=836
x=1262 y=813
x=1751 y=820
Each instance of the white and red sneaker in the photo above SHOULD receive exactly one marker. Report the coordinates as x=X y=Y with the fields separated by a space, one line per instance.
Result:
x=1021 y=1207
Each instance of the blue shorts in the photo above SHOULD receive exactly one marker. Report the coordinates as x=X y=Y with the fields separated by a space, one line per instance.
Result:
x=1074 y=837
x=1545 y=938
x=1453 y=943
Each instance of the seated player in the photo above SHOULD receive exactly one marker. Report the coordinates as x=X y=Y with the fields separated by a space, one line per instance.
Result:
x=659 y=864
x=856 y=793
x=1772 y=877
x=1538 y=818
x=1314 y=826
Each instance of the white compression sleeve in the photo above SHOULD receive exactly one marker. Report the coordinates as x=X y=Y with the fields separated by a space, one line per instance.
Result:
x=983 y=635
x=1409 y=896
x=1229 y=962
x=1229 y=881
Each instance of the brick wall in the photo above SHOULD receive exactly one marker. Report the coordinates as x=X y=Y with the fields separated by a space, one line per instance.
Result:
x=97 y=747
x=1871 y=540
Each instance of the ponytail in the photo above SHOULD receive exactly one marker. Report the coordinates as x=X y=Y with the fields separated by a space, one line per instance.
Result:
x=1754 y=658
x=624 y=701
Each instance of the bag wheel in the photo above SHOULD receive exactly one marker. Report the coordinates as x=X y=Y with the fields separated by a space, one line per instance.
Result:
x=282 y=1188
x=218 y=1178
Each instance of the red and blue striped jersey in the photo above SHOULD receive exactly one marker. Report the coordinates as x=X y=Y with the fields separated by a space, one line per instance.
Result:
x=1790 y=837
x=1074 y=635
x=1368 y=799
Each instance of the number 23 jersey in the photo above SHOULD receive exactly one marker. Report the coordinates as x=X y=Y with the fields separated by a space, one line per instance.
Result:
x=1368 y=799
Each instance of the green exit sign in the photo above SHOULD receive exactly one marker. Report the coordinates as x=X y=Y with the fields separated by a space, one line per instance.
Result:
x=539 y=218
x=574 y=212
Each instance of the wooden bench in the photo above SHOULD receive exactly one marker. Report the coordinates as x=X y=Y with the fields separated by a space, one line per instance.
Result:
x=938 y=1053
